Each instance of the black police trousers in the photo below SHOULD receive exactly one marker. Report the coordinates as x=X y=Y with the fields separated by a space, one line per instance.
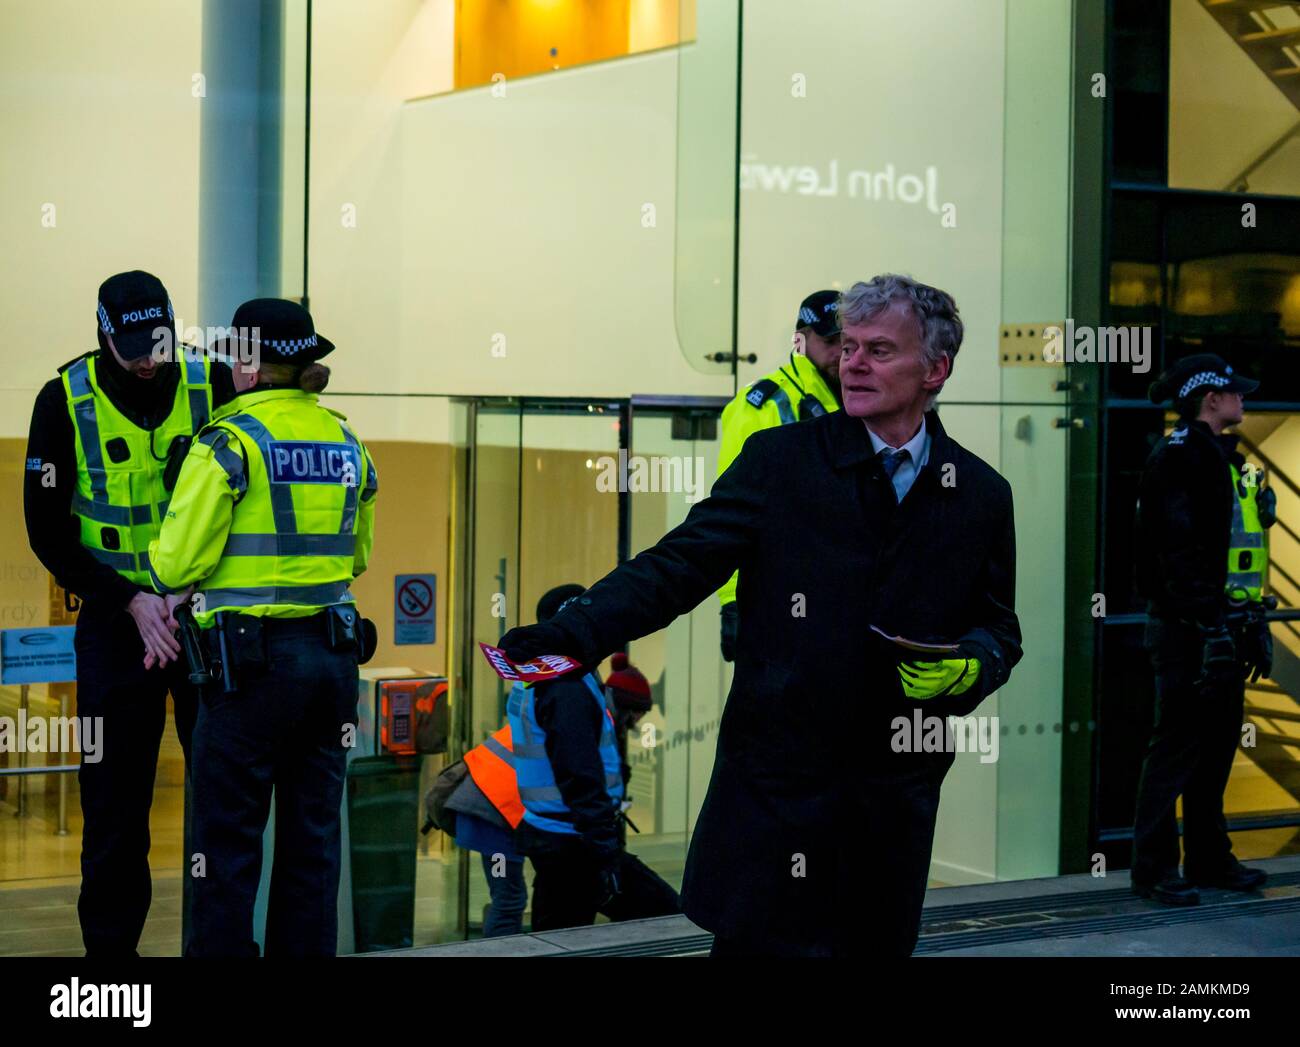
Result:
x=117 y=789
x=1194 y=740
x=567 y=889
x=282 y=730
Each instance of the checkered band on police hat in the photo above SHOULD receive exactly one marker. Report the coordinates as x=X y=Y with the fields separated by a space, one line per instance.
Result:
x=819 y=311
x=1204 y=378
x=289 y=346
x=104 y=323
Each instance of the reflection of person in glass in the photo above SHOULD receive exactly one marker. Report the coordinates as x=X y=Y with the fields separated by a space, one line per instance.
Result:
x=815 y=835
x=807 y=385
x=1202 y=559
x=96 y=488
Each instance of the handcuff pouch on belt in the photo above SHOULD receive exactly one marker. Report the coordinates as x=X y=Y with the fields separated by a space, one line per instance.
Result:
x=236 y=648
x=348 y=631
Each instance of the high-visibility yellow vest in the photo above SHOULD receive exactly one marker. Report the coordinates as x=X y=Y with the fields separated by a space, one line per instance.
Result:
x=119 y=498
x=1248 y=546
x=292 y=538
x=794 y=391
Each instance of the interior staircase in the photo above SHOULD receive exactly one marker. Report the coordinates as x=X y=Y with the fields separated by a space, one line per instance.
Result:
x=1269 y=32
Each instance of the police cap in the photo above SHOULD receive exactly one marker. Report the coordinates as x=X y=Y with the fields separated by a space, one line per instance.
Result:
x=1203 y=371
x=820 y=311
x=280 y=330
x=135 y=312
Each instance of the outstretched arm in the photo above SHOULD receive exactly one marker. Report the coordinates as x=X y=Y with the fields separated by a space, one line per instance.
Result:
x=647 y=592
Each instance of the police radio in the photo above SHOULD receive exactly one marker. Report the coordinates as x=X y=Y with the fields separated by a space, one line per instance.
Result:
x=176 y=453
x=200 y=673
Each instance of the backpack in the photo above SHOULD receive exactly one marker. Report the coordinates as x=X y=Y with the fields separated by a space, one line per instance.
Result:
x=437 y=814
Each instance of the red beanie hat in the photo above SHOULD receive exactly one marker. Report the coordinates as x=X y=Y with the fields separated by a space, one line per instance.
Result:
x=630 y=687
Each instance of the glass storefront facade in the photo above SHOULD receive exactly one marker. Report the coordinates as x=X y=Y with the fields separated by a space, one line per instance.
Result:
x=530 y=266
x=1201 y=248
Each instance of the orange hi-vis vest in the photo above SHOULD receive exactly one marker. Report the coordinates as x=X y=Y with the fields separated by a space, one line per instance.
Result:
x=492 y=766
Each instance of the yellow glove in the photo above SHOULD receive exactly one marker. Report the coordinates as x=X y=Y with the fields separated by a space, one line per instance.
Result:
x=938 y=679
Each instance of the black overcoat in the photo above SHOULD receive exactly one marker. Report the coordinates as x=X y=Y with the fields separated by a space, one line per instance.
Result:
x=808 y=735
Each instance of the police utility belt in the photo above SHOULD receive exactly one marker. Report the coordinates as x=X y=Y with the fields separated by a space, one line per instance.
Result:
x=235 y=647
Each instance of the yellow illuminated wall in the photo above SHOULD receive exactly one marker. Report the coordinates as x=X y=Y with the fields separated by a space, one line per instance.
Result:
x=512 y=38
x=412 y=517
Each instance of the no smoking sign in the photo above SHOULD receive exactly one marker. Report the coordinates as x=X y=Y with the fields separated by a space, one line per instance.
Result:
x=414 y=599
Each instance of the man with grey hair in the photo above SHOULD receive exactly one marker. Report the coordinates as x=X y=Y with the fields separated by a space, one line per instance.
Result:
x=815 y=835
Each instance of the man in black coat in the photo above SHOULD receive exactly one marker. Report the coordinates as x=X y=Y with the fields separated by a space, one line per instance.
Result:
x=815 y=835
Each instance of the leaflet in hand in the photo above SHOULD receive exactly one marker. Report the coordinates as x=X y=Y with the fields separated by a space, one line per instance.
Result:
x=546 y=667
x=937 y=651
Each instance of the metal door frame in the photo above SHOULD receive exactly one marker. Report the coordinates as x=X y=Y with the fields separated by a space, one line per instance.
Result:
x=464 y=557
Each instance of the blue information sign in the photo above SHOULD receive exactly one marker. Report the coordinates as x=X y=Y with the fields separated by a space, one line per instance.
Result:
x=38 y=655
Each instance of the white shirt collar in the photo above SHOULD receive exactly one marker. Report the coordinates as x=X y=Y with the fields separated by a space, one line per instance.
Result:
x=915 y=447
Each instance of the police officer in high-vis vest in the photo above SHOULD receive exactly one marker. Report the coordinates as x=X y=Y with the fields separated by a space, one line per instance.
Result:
x=95 y=491
x=1202 y=564
x=805 y=386
x=271 y=519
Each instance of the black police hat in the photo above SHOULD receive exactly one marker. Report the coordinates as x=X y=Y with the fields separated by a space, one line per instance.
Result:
x=820 y=311
x=135 y=312
x=280 y=330
x=1202 y=371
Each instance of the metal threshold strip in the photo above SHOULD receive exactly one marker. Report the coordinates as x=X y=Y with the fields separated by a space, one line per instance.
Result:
x=1008 y=920
x=1059 y=904
x=1147 y=918
x=686 y=945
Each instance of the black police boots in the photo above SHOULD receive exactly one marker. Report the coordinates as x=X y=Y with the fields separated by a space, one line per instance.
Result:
x=1169 y=890
x=1234 y=877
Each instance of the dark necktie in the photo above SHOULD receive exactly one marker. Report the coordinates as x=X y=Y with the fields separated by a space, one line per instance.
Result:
x=890 y=460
